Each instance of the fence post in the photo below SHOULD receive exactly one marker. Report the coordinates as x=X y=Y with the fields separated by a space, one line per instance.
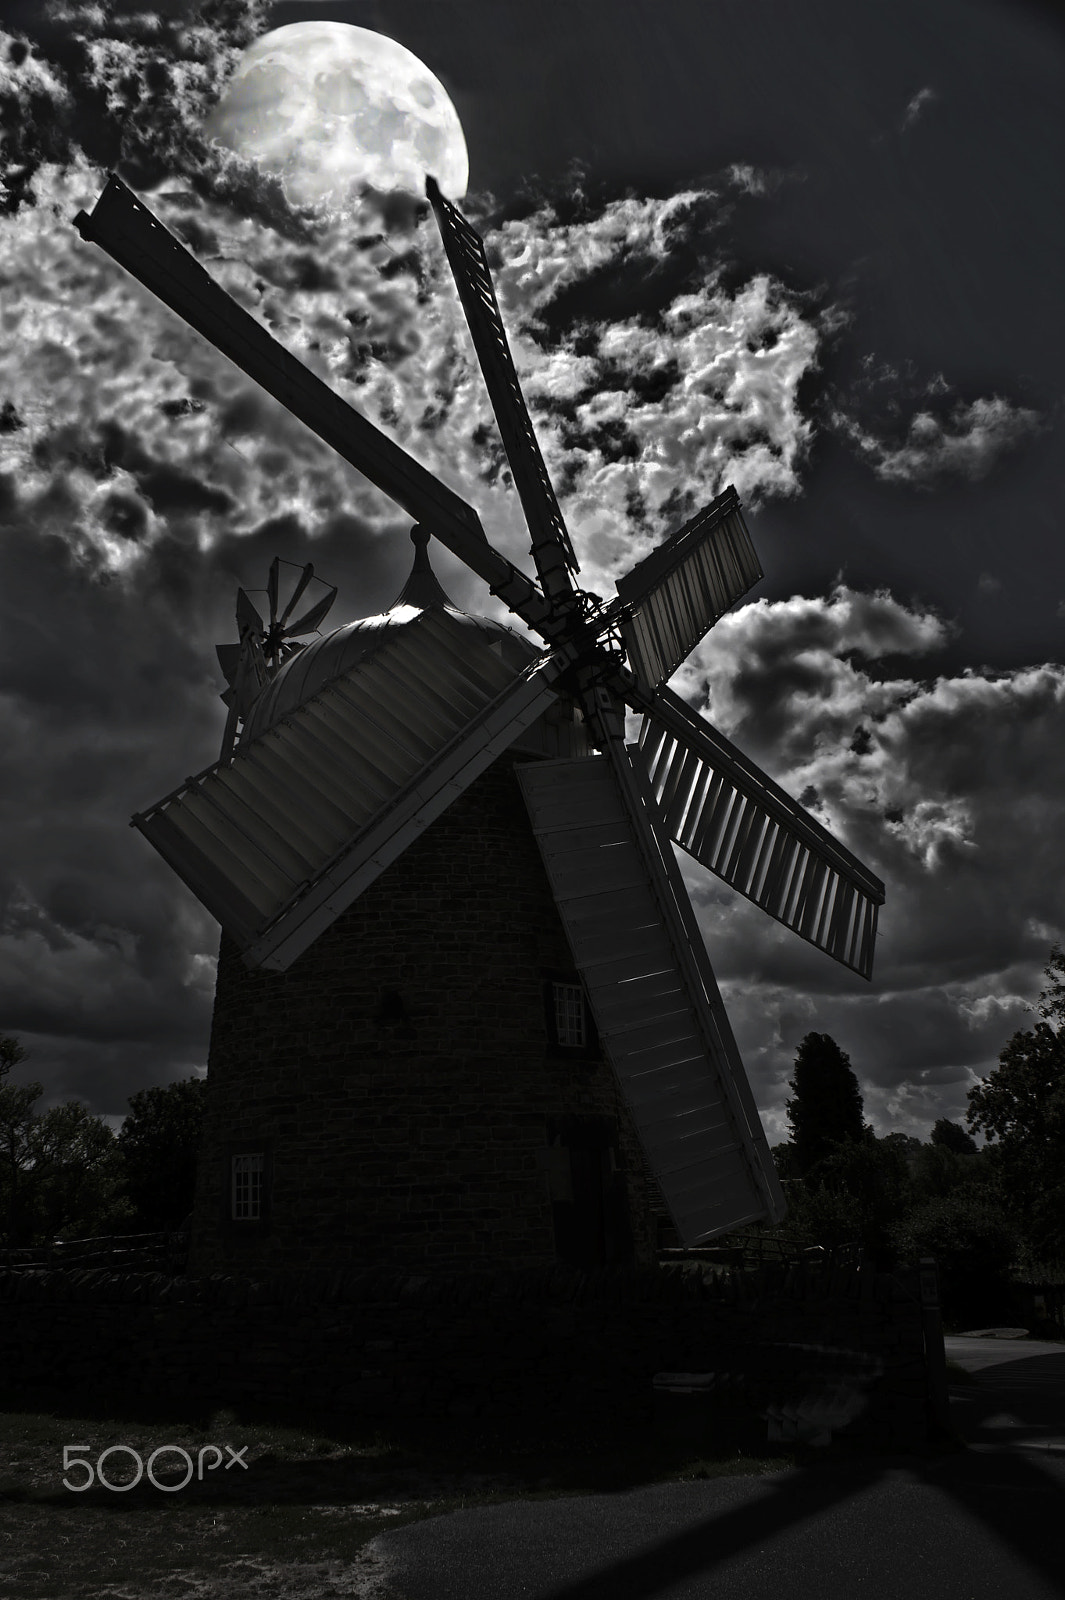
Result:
x=934 y=1351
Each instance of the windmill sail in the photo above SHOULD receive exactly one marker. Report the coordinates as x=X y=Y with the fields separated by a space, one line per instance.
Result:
x=675 y=594
x=551 y=548
x=124 y=227
x=735 y=820
x=280 y=839
x=659 y=1016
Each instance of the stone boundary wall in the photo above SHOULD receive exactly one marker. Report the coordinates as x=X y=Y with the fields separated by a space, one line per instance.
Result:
x=547 y=1342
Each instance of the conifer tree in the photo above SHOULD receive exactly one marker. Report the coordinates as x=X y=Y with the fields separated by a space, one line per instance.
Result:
x=827 y=1106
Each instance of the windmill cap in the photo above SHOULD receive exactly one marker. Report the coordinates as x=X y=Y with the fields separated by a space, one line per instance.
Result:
x=334 y=654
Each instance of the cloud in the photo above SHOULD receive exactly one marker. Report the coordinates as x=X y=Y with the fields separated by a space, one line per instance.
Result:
x=949 y=789
x=123 y=431
x=916 y=108
x=967 y=442
x=124 y=88
x=142 y=477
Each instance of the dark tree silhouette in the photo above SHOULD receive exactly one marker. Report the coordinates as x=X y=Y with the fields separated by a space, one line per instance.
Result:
x=60 y=1172
x=1021 y=1108
x=159 y=1141
x=952 y=1136
x=827 y=1105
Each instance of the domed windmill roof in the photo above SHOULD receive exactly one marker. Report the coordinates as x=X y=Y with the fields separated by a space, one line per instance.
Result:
x=335 y=654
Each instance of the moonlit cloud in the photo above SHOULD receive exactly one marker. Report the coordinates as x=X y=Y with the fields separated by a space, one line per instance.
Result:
x=142 y=478
x=128 y=430
x=966 y=443
x=951 y=790
x=917 y=106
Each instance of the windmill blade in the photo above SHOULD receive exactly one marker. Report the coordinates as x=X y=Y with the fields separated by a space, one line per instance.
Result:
x=124 y=227
x=728 y=814
x=279 y=840
x=551 y=551
x=304 y=579
x=676 y=594
x=652 y=992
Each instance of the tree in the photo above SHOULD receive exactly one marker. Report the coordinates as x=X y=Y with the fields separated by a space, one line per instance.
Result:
x=974 y=1244
x=1021 y=1109
x=940 y=1170
x=60 y=1172
x=827 y=1107
x=159 y=1143
x=858 y=1191
x=952 y=1136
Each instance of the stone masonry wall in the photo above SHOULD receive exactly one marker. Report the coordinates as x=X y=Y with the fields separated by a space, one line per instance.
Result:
x=399 y=1075
x=551 y=1343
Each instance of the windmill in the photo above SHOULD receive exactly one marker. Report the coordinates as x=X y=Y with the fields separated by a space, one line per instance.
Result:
x=366 y=742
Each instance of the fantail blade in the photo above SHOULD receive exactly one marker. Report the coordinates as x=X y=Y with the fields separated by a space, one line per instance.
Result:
x=248 y=619
x=271 y=586
x=310 y=620
x=305 y=577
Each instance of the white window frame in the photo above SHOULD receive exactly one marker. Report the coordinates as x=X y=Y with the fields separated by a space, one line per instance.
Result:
x=571 y=1018
x=247 y=1177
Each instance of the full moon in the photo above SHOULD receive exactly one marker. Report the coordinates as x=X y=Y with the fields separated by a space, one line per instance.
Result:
x=330 y=107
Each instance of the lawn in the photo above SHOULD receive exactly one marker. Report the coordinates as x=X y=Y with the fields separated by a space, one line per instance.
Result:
x=290 y=1513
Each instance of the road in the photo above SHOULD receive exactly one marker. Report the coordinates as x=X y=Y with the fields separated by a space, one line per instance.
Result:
x=980 y=1524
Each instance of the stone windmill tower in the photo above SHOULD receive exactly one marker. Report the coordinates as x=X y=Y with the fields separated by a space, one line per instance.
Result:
x=464 y=1011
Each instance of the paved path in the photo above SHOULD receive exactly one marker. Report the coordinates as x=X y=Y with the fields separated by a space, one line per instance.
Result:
x=1020 y=1400
x=984 y=1524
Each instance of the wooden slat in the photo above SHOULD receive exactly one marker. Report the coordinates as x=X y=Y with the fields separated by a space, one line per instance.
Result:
x=736 y=822
x=680 y=590
x=277 y=815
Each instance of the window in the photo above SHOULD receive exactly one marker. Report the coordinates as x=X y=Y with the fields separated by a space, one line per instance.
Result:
x=247 y=1187
x=570 y=1028
x=568 y=1018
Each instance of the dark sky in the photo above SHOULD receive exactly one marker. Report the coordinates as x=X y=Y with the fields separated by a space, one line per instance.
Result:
x=914 y=152
x=814 y=250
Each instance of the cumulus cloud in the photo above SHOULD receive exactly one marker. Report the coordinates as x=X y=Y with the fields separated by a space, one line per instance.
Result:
x=950 y=789
x=965 y=443
x=117 y=85
x=129 y=430
x=142 y=476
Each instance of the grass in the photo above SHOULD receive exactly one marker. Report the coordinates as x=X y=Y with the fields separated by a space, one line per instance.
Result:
x=295 y=1523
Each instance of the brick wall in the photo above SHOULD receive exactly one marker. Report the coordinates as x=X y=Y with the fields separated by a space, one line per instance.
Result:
x=399 y=1076
x=535 y=1343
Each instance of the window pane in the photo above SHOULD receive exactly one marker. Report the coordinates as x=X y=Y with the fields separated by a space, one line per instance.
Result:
x=248 y=1187
x=569 y=1014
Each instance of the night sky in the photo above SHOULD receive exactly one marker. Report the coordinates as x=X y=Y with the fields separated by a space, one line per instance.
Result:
x=814 y=251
